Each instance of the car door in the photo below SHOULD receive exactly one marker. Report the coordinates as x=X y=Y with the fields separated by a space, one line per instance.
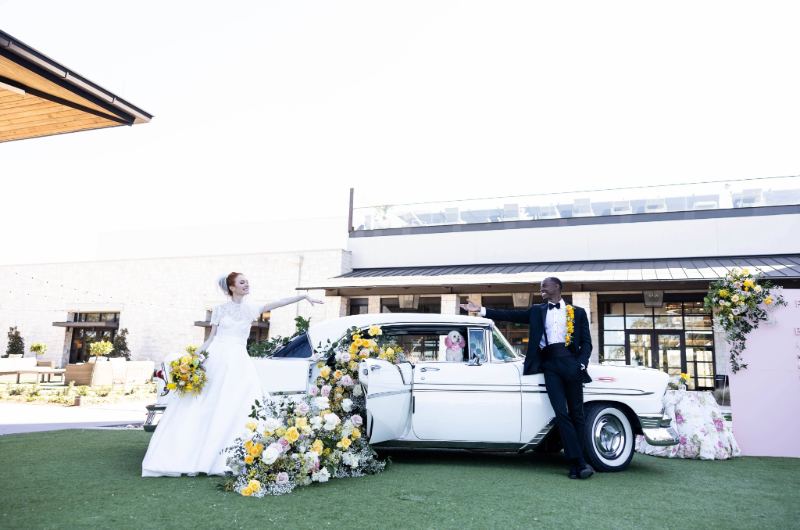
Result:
x=462 y=401
x=287 y=371
x=387 y=388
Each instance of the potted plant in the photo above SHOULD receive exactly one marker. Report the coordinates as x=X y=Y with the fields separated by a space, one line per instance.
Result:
x=100 y=348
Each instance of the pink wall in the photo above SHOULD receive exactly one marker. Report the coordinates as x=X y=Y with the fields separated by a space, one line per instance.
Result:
x=765 y=397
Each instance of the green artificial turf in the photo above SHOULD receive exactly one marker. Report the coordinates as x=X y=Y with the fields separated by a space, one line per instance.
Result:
x=91 y=479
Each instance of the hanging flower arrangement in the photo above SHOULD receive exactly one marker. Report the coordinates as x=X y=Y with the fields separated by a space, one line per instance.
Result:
x=740 y=302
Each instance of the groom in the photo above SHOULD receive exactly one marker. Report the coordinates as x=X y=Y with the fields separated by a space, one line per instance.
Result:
x=564 y=366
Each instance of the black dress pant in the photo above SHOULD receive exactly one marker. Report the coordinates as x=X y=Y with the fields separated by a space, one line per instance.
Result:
x=562 y=377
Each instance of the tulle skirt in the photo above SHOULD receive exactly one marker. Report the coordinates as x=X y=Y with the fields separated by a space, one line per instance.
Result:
x=193 y=430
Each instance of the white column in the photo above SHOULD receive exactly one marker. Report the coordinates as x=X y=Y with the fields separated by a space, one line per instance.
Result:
x=374 y=304
x=450 y=304
x=335 y=307
x=588 y=301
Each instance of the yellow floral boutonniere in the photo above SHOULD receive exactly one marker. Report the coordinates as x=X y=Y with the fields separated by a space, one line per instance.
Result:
x=570 y=323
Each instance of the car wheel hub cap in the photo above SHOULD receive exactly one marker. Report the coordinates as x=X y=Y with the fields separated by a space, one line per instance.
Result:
x=609 y=437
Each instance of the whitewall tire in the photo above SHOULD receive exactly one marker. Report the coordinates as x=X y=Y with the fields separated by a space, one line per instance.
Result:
x=609 y=438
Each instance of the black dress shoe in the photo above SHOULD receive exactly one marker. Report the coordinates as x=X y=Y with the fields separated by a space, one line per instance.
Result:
x=585 y=471
x=573 y=471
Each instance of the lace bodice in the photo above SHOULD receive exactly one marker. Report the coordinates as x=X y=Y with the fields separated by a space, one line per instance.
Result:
x=234 y=320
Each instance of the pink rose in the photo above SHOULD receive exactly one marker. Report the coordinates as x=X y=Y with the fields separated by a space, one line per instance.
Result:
x=282 y=478
x=276 y=446
x=316 y=465
x=365 y=352
x=346 y=357
x=315 y=357
x=284 y=442
x=326 y=390
x=314 y=391
x=302 y=408
x=357 y=421
x=347 y=381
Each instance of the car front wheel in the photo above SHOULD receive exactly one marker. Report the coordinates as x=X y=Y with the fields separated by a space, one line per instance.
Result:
x=609 y=438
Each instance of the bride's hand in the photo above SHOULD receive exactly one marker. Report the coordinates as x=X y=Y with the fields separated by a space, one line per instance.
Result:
x=313 y=300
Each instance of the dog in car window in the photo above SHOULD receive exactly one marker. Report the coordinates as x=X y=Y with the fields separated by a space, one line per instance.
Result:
x=455 y=343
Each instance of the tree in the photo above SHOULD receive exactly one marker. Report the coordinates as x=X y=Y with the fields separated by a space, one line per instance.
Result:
x=16 y=346
x=121 y=345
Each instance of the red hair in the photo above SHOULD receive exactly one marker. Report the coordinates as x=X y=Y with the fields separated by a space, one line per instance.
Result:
x=230 y=281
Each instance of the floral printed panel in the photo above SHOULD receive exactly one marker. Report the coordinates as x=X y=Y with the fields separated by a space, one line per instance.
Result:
x=697 y=418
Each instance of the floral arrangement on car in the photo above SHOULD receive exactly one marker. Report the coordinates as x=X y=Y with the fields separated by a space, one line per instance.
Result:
x=737 y=301
x=290 y=443
x=187 y=373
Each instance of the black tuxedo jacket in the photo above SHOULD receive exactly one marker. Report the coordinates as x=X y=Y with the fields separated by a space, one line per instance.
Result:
x=581 y=344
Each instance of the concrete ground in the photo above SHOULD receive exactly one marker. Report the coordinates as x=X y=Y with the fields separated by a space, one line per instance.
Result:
x=22 y=418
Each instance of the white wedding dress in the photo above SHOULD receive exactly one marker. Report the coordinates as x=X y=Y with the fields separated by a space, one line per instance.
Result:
x=193 y=430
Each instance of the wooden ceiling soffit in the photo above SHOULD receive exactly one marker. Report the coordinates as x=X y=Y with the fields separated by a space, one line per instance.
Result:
x=35 y=103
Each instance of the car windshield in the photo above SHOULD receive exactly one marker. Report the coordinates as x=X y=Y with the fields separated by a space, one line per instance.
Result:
x=503 y=351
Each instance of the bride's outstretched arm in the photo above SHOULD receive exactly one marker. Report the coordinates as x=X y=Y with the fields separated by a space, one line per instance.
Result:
x=286 y=301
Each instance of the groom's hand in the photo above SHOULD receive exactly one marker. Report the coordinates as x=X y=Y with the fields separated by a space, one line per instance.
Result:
x=470 y=306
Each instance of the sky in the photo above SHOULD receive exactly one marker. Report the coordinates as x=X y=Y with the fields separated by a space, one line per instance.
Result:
x=273 y=110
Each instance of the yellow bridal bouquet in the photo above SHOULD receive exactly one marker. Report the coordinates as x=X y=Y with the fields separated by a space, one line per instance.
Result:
x=187 y=374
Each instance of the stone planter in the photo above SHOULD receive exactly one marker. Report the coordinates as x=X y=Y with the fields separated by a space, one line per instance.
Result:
x=78 y=401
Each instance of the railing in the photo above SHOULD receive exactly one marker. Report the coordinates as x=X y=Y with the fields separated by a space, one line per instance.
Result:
x=721 y=195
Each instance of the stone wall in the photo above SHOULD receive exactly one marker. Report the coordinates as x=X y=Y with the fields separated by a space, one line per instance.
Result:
x=158 y=299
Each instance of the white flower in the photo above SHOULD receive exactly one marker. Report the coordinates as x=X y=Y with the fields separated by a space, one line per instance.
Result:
x=303 y=408
x=347 y=405
x=271 y=424
x=346 y=357
x=357 y=391
x=321 y=476
x=270 y=455
x=350 y=459
x=316 y=422
x=315 y=357
x=248 y=435
x=295 y=456
x=331 y=421
x=735 y=311
x=722 y=302
x=758 y=288
x=320 y=402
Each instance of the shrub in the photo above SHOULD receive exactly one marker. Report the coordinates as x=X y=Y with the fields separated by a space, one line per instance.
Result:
x=16 y=391
x=100 y=348
x=83 y=390
x=16 y=346
x=121 y=345
x=35 y=391
x=103 y=391
x=39 y=348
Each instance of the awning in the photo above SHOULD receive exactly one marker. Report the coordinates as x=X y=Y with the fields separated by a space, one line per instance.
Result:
x=206 y=324
x=41 y=97
x=694 y=272
x=98 y=325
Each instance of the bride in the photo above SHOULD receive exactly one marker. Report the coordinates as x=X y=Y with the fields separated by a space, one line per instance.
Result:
x=194 y=430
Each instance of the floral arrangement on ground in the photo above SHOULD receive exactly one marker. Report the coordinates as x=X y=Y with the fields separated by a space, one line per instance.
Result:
x=289 y=443
x=737 y=301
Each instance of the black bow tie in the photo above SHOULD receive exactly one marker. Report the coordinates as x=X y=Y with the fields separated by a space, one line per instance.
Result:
x=551 y=306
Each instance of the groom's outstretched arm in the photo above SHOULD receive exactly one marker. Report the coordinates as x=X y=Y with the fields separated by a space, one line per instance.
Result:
x=520 y=316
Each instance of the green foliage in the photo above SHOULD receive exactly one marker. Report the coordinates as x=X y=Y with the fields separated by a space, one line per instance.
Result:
x=101 y=348
x=268 y=347
x=16 y=391
x=121 y=345
x=16 y=346
x=34 y=391
x=103 y=391
x=83 y=390
x=39 y=348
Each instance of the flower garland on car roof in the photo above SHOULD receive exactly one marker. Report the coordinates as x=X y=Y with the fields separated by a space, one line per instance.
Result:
x=737 y=301
x=289 y=444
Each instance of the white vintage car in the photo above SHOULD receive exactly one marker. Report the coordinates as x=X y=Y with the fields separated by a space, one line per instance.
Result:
x=482 y=402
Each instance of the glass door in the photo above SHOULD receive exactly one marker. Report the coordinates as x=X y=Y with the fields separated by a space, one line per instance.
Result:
x=669 y=352
x=640 y=346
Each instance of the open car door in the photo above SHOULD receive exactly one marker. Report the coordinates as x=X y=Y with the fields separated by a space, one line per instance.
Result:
x=387 y=388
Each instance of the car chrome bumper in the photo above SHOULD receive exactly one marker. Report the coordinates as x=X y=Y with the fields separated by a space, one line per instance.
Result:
x=657 y=429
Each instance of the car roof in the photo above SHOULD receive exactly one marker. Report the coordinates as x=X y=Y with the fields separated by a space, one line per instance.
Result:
x=333 y=329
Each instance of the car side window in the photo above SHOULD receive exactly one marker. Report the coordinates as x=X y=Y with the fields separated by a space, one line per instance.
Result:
x=432 y=343
x=298 y=348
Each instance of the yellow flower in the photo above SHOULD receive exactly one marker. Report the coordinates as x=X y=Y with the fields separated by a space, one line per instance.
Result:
x=735 y=298
x=317 y=447
x=337 y=374
x=248 y=444
x=251 y=425
x=292 y=435
x=768 y=300
x=319 y=364
x=325 y=372
x=302 y=422
x=326 y=452
x=389 y=351
x=254 y=485
x=280 y=431
x=374 y=331
x=189 y=387
x=353 y=349
x=352 y=365
x=356 y=434
x=171 y=386
x=382 y=356
x=345 y=443
x=255 y=449
x=358 y=342
x=249 y=459
x=745 y=271
x=741 y=303
x=184 y=368
x=185 y=360
x=723 y=293
x=247 y=491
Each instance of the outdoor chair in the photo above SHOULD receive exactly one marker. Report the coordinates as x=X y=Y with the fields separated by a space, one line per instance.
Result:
x=452 y=216
x=582 y=208
x=655 y=205
x=510 y=212
x=15 y=356
x=621 y=208
x=548 y=212
x=411 y=219
x=751 y=197
x=704 y=205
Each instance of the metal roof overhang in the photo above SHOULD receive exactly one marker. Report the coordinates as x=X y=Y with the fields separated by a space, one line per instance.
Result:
x=206 y=324
x=41 y=97
x=620 y=275
x=99 y=325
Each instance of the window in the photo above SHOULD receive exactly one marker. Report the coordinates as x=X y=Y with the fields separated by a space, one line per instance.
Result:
x=502 y=350
x=427 y=304
x=359 y=306
x=427 y=343
x=298 y=348
x=83 y=337
x=675 y=338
